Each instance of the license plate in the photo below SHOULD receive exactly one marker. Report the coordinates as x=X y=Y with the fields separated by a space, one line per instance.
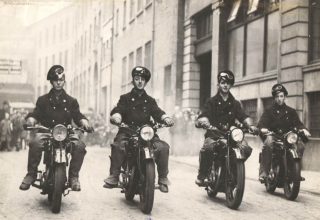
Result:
x=147 y=153
x=60 y=156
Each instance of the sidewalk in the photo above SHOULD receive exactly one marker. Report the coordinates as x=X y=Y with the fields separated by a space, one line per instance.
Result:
x=311 y=184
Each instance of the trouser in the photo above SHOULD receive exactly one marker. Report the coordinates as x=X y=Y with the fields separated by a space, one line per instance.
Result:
x=266 y=154
x=118 y=155
x=206 y=154
x=35 y=152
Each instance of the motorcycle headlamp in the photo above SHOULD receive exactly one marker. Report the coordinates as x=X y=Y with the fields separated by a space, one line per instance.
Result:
x=59 y=132
x=237 y=134
x=147 y=133
x=292 y=138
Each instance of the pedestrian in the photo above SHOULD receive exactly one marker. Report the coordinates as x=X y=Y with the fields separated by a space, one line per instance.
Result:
x=6 y=132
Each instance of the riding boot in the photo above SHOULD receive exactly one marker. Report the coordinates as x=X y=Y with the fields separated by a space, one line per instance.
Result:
x=77 y=157
x=205 y=161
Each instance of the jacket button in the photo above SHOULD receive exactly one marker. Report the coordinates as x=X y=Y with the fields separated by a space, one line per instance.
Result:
x=145 y=100
x=65 y=109
x=52 y=120
x=229 y=113
x=54 y=107
x=132 y=99
x=133 y=107
x=64 y=100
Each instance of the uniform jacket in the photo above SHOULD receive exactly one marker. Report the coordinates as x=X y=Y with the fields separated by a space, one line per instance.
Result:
x=280 y=119
x=50 y=111
x=137 y=110
x=222 y=114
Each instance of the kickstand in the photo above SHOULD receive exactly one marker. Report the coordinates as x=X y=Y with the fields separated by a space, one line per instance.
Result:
x=67 y=193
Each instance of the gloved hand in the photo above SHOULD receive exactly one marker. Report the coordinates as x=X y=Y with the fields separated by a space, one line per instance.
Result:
x=306 y=132
x=168 y=121
x=31 y=121
x=116 y=119
x=85 y=124
x=253 y=129
x=203 y=122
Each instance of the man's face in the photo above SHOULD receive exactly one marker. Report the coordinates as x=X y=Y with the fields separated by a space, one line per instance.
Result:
x=279 y=98
x=139 y=82
x=224 y=86
x=58 y=84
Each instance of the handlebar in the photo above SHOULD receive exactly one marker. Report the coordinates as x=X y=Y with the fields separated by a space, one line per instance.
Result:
x=41 y=127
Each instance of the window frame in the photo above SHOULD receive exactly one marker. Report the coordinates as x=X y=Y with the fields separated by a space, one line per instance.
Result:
x=311 y=60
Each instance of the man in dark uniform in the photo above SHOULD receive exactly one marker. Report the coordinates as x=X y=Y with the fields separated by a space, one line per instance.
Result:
x=5 y=108
x=56 y=107
x=220 y=111
x=279 y=118
x=136 y=109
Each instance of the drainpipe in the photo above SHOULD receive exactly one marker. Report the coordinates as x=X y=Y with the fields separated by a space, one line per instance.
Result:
x=152 y=43
x=111 y=56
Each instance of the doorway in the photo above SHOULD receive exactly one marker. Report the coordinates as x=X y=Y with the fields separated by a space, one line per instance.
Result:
x=205 y=77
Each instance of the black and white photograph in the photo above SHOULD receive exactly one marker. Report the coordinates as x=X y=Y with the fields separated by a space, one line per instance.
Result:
x=159 y=109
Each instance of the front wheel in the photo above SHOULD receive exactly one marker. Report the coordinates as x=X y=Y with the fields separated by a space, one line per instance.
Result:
x=235 y=184
x=147 y=188
x=215 y=180
x=292 y=184
x=58 y=187
x=131 y=188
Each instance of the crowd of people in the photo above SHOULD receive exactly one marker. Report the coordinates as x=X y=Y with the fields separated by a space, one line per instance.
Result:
x=12 y=134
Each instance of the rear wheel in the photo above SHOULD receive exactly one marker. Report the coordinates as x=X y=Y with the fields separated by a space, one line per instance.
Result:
x=58 y=187
x=235 y=184
x=147 y=188
x=292 y=184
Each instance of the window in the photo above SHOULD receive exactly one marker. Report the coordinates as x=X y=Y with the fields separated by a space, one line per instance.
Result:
x=124 y=71
x=66 y=59
x=46 y=64
x=314 y=28
x=54 y=35
x=124 y=14
x=60 y=58
x=40 y=40
x=250 y=108
x=167 y=80
x=67 y=28
x=53 y=59
x=253 y=38
x=131 y=64
x=139 y=57
x=132 y=11
x=236 y=51
x=117 y=22
x=139 y=5
x=61 y=31
x=204 y=24
x=254 y=50
x=314 y=113
x=47 y=37
x=147 y=55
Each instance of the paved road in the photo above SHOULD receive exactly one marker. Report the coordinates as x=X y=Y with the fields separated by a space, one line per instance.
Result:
x=184 y=201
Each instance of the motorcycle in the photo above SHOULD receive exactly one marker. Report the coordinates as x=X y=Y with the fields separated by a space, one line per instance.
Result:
x=57 y=146
x=138 y=170
x=227 y=171
x=285 y=170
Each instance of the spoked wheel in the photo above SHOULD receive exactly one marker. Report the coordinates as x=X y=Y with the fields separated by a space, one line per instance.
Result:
x=272 y=179
x=292 y=184
x=132 y=184
x=215 y=179
x=235 y=185
x=147 y=188
x=58 y=187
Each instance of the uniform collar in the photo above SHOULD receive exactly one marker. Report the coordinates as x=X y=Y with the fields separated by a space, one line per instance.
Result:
x=279 y=107
x=138 y=93
x=230 y=97
x=52 y=94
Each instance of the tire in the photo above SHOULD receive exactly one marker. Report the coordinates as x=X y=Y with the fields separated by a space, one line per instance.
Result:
x=271 y=185
x=235 y=188
x=132 y=185
x=58 y=187
x=147 y=188
x=50 y=197
x=213 y=188
x=292 y=184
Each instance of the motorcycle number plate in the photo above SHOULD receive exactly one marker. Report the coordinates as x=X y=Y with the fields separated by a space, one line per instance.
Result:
x=60 y=156
x=238 y=153
x=147 y=153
